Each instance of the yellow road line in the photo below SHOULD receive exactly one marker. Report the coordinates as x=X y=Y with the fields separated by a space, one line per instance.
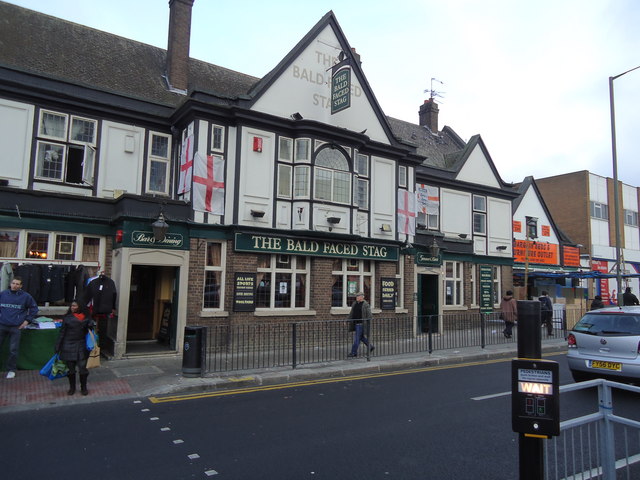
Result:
x=306 y=383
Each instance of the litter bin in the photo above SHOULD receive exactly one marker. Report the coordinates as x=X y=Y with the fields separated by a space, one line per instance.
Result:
x=193 y=352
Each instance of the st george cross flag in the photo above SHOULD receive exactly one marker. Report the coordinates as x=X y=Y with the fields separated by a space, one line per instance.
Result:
x=208 y=183
x=406 y=212
x=428 y=199
x=186 y=165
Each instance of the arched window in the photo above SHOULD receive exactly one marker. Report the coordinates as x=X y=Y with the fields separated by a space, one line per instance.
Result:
x=332 y=176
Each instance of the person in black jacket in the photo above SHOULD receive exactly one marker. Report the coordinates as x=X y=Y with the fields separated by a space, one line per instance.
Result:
x=72 y=346
x=546 y=312
x=629 y=298
x=597 y=303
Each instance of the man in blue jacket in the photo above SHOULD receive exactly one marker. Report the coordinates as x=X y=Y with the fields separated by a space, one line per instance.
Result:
x=17 y=310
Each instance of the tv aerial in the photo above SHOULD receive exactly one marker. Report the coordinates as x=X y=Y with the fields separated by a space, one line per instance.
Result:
x=433 y=93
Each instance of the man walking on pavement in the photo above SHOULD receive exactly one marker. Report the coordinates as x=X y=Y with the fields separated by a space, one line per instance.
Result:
x=17 y=310
x=546 y=312
x=360 y=310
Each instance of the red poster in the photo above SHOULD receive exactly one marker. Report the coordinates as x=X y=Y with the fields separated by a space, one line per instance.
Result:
x=608 y=298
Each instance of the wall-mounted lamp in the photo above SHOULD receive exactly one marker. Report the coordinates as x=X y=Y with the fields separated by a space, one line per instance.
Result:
x=160 y=228
x=333 y=220
x=434 y=248
x=421 y=226
x=257 y=213
x=501 y=248
x=385 y=227
x=462 y=235
x=296 y=116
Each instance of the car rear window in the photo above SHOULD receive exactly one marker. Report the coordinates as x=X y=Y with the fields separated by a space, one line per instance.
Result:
x=609 y=324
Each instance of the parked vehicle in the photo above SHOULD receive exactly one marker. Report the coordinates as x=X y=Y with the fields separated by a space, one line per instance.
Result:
x=606 y=343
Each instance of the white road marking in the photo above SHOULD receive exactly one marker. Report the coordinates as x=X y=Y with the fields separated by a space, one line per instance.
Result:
x=495 y=395
x=210 y=473
x=165 y=429
x=193 y=456
x=178 y=441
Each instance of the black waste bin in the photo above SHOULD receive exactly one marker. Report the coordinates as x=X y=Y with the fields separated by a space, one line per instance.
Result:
x=194 y=351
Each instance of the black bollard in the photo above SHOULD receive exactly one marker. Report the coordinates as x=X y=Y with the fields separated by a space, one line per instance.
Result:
x=531 y=450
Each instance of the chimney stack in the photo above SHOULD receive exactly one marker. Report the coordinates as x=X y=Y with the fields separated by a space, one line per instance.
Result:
x=178 y=44
x=429 y=115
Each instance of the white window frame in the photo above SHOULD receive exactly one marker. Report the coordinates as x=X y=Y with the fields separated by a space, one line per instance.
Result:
x=166 y=161
x=214 y=146
x=402 y=176
x=301 y=183
x=289 y=143
x=285 y=184
x=479 y=203
x=455 y=282
x=497 y=285
x=294 y=271
x=362 y=160
x=302 y=154
x=630 y=218
x=361 y=203
x=215 y=268
x=66 y=142
x=599 y=210
x=361 y=273
x=473 y=285
x=482 y=217
x=51 y=242
x=400 y=279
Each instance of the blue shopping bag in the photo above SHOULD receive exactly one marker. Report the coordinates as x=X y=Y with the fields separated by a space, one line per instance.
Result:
x=54 y=368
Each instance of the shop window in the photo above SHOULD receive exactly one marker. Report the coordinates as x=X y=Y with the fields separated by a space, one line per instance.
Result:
x=90 y=249
x=65 y=247
x=9 y=244
x=214 y=275
x=37 y=245
x=282 y=282
x=158 y=163
x=453 y=283
x=66 y=148
x=349 y=276
x=497 y=286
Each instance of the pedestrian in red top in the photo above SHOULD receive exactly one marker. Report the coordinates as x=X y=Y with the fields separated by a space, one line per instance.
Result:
x=509 y=313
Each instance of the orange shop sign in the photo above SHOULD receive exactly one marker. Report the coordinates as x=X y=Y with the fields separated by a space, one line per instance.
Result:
x=571 y=256
x=546 y=253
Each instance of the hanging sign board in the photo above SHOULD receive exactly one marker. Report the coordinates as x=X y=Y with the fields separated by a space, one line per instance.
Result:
x=340 y=90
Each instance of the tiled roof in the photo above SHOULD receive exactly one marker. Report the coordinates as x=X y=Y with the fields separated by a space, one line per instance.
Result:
x=48 y=46
x=435 y=147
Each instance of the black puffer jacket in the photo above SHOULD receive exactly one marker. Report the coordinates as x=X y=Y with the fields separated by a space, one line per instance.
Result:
x=71 y=343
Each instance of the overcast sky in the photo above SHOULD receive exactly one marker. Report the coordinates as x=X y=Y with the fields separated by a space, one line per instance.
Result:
x=530 y=77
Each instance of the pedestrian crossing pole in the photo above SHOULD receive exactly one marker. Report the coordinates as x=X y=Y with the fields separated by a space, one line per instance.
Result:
x=530 y=448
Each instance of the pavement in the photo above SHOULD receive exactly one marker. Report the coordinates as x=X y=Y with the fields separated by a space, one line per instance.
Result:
x=159 y=376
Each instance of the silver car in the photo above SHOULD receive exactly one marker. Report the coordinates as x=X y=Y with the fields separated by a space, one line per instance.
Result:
x=606 y=343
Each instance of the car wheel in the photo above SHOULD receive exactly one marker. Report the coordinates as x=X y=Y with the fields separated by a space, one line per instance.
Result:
x=580 y=376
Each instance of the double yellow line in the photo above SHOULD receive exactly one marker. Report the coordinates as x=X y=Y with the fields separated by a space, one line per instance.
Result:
x=307 y=383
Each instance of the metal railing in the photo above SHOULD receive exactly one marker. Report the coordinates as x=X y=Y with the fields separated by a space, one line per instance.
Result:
x=600 y=445
x=290 y=344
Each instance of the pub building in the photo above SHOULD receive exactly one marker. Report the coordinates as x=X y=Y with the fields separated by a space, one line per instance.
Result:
x=209 y=196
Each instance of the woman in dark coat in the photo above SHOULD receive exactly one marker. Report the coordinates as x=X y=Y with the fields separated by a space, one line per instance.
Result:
x=72 y=345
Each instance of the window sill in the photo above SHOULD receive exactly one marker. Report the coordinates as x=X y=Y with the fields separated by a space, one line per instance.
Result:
x=284 y=313
x=455 y=307
x=213 y=313
x=340 y=310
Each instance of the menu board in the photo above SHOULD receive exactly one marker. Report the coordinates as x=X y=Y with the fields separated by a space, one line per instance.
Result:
x=388 y=293
x=244 y=293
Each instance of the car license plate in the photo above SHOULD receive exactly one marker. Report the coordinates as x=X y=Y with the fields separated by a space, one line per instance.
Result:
x=606 y=365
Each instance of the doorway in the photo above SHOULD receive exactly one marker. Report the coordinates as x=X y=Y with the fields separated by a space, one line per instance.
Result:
x=428 y=306
x=151 y=317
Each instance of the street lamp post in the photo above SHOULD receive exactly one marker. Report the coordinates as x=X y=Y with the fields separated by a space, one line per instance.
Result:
x=616 y=200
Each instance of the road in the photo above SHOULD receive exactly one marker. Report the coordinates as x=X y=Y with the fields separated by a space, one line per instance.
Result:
x=444 y=423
